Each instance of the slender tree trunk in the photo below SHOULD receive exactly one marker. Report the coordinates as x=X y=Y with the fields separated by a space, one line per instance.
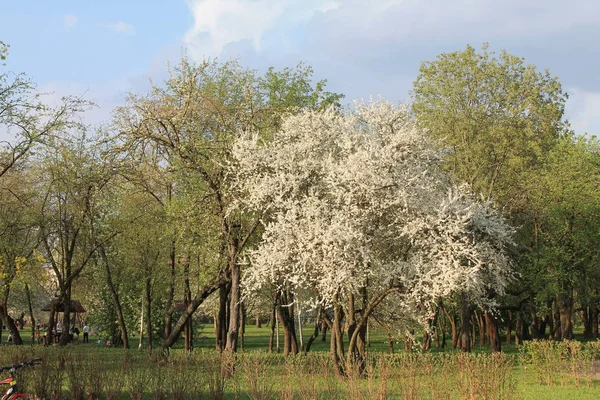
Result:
x=409 y=342
x=234 y=303
x=543 y=324
x=479 y=317
x=148 y=304
x=453 y=328
x=473 y=328
x=428 y=333
x=242 y=324
x=221 y=322
x=187 y=298
x=594 y=320
x=535 y=322
x=520 y=329
x=31 y=315
x=390 y=341
x=315 y=333
x=51 y=324
x=273 y=322
x=509 y=327
x=324 y=328
x=465 y=319
x=587 y=322
x=257 y=322
x=482 y=331
x=141 y=324
x=556 y=329
x=300 y=328
x=114 y=295
x=168 y=316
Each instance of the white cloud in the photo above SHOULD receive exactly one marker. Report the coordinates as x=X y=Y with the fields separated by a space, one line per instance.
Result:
x=119 y=27
x=69 y=21
x=341 y=27
x=220 y=22
x=583 y=111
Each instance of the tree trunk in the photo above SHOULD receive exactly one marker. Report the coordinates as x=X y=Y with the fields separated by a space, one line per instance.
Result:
x=187 y=298
x=542 y=329
x=65 y=300
x=336 y=348
x=286 y=317
x=315 y=333
x=114 y=295
x=408 y=342
x=10 y=325
x=221 y=322
x=31 y=315
x=556 y=329
x=51 y=323
x=465 y=320
x=535 y=323
x=168 y=316
x=521 y=328
x=390 y=340
x=492 y=332
x=191 y=308
x=300 y=333
x=234 y=305
x=428 y=333
x=453 y=329
x=594 y=320
x=272 y=324
x=242 y=324
x=587 y=322
x=324 y=328
x=565 y=304
x=481 y=320
x=257 y=322
x=148 y=304
x=509 y=327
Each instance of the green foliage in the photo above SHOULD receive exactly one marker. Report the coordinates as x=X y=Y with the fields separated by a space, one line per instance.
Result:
x=3 y=51
x=497 y=115
x=564 y=201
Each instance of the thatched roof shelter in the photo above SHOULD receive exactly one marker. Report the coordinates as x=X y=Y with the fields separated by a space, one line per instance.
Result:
x=76 y=306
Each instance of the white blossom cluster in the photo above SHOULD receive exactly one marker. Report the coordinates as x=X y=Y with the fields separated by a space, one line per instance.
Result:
x=358 y=200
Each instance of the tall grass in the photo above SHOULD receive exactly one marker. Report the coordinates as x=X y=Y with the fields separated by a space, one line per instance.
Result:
x=89 y=372
x=562 y=362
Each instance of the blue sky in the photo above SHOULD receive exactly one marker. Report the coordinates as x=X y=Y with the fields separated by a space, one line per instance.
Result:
x=362 y=47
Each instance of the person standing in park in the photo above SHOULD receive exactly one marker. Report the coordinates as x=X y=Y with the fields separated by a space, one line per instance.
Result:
x=58 y=332
x=86 y=332
x=38 y=335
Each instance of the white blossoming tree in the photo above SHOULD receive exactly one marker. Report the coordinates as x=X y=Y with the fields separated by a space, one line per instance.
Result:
x=357 y=212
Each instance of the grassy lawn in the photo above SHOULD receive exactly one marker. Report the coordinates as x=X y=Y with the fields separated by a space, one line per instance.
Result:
x=257 y=374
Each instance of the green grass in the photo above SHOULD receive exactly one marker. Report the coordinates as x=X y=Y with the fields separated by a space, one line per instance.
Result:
x=258 y=372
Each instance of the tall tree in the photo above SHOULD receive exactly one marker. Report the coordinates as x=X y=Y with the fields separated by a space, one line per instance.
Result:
x=72 y=178
x=497 y=115
x=564 y=241
x=195 y=117
x=358 y=211
x=499 y=118
x=27 y=119
x=18 y=237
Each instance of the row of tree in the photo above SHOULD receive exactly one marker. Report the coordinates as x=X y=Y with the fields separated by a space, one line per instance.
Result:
x=472 y=212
